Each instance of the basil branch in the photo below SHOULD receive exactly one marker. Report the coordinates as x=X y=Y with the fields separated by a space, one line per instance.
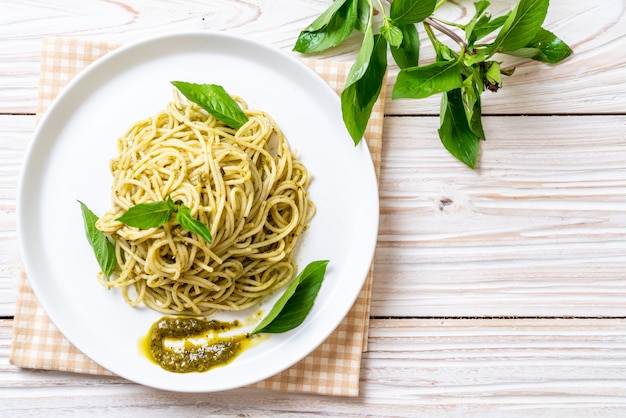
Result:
x=459 y=76
x=434 y=22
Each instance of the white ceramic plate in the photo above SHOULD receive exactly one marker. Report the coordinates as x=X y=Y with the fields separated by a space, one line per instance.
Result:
x=68 y=160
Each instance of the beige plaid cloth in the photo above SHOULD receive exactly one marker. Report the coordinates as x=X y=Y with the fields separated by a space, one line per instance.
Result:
x=332 y=369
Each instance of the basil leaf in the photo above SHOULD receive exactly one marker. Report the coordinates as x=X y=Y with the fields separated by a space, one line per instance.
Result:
x=103 y=248
x=481 y=24
x=330 y=28
x=296 y=302
x=327 y=16
x=392 y=33
x=184 y=219
x=215 y=100
x=521 y=25
x=407 y=54
x=424 y=81
x=365 y=52
x=148 y=215
x=470 y=96
x=455 y=133
x=492 y=73
x=484 y=26
x=362 y=15
x=411 y=11
x=545 y=47
x=479 y=7
x=359 y=95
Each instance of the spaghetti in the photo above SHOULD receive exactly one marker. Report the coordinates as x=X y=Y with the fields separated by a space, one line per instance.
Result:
x=246 y=185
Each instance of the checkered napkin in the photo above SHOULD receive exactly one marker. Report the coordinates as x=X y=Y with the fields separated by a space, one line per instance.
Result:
x=332 y=369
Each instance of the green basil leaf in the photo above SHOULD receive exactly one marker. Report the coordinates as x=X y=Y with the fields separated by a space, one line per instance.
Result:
x=479 y=21
x=327 y=16
x=362 y=15
x=521 y=25
x=102 y=246
x=545 y=47
x=148 y=215
x=455 y=133
x=492 y=73
x=392 y=33
x=365 y=52
x=184 y=219
x=484 y=26
x=407 y=54
x=411 y=11
x=473 y=87
x=470 y=96
x=480 y=7
x=215 y=100
x=330 y=28
x=359 y=95
x=424 y=81
x=296 y=302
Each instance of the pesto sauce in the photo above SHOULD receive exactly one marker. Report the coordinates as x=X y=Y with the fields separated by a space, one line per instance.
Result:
x=191 y=356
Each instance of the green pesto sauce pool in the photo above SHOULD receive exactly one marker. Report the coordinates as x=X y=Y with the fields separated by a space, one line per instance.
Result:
x=189 y=344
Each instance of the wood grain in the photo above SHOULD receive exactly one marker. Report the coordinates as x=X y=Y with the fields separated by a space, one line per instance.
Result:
x=596 y=32
x=542 y=224
x=428 y=367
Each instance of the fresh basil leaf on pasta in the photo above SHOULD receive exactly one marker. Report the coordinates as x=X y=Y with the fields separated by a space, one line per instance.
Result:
x=103 y=248
x=148 y=215
x=215 y=100
x=155 y=214
x=184 y=219
x=296 y=302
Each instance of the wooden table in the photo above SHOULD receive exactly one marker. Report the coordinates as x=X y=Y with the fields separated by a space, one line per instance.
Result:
x=497 y=292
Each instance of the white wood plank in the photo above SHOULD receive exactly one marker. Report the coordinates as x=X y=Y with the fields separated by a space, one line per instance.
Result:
x=540 y=229
x=428 y=367
x=590 y=82
x=15 y=132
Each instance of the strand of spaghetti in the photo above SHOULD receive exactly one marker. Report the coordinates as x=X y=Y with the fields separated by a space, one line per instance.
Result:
x=246 y=185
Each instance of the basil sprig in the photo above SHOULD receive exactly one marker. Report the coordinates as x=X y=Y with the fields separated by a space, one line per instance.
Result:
x=155 y=214
x=460 y=76
x=215 y=100
x=143 y=216
x=148 y=215
x=296 y=302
